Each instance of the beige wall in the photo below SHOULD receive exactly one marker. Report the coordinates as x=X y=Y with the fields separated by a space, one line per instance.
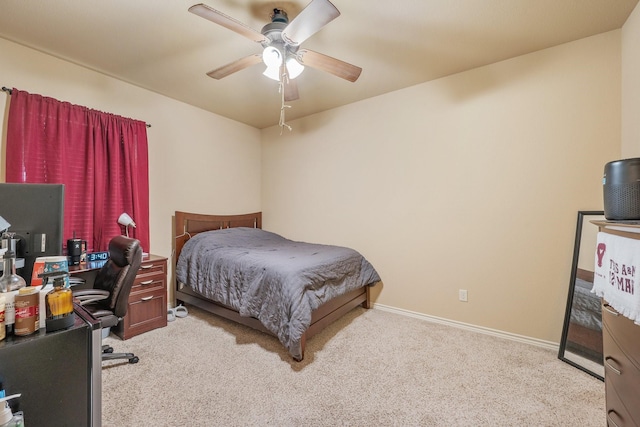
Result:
x=631 y=85
x=468 y=182
x=472 y=182
x=198 y=161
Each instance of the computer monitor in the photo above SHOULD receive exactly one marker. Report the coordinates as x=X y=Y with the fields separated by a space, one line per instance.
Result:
x=36 y=215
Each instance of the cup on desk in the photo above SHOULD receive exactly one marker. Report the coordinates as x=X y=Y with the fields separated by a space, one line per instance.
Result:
x=48 y=264
x=27 y=311
x=77 y=250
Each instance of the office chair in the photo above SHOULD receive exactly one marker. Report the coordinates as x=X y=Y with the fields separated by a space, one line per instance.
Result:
x=107 y=301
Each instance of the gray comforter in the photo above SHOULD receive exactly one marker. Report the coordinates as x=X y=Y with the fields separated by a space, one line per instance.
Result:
x=585 y=307
x=263 y=275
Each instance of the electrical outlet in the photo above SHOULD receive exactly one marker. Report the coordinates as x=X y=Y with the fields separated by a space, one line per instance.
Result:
x=462 y=295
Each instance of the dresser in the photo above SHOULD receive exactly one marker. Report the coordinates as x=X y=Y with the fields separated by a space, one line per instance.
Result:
x=621 y=345
x=147 y=308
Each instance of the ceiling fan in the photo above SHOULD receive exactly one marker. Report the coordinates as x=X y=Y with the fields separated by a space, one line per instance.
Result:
x=281 y=41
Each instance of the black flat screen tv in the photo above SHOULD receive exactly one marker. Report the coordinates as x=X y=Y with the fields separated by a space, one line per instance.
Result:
x=36 y=215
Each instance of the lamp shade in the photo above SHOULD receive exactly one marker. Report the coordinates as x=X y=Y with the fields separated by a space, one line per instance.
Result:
x=272 y=58
x=4 y=224
x=126 y=220
x=294 y=68
x=273 y=73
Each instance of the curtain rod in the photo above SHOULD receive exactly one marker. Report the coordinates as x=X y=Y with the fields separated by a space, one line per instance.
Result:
x=10 y=91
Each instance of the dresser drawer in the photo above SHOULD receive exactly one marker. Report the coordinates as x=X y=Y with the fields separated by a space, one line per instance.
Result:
x=621 y=375
x=617 y=415
x=146 y=311
x=153 y=265
x=147 y=283
x=623 y=331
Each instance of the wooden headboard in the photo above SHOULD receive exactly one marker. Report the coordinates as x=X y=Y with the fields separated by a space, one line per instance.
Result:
x=584 y=275
x=188 y=225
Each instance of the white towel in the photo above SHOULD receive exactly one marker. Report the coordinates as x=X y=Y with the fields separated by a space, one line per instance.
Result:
x=617 y=268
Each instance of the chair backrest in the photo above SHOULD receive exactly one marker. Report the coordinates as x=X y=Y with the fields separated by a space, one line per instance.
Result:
x=118 y=273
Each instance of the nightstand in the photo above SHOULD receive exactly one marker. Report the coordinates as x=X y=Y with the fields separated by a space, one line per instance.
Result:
x=147 y=308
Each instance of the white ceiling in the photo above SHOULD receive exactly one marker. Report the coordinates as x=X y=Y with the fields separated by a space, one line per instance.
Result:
x=160 y=46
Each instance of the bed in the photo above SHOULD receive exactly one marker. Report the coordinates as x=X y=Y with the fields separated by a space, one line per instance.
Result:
x=289 y=289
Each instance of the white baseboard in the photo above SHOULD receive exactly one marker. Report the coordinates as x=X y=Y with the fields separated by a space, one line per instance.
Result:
x=480 y=329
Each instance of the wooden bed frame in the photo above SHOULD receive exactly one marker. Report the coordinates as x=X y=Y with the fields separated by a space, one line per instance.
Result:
x=189 y=224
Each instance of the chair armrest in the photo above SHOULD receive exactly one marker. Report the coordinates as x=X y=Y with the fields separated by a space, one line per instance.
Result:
x=88 y=296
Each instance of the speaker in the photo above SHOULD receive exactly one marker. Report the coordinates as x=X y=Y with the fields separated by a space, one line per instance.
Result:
x=621 y=190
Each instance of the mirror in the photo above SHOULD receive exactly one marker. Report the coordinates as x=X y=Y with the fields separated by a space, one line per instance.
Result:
x=581 y=342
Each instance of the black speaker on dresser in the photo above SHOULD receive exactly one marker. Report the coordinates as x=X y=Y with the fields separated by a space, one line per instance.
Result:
x=621 y=190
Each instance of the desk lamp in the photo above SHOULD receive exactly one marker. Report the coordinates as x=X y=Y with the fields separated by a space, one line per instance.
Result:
x=126 y=221
x=8 y=242
x=4 y=225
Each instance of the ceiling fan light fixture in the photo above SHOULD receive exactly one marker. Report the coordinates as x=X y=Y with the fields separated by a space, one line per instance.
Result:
x=273 y=73
x=294 y=68
x=272 y=57
x=281 y=40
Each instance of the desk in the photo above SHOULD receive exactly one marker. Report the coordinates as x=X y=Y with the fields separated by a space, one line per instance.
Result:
x=86 y=271
x=85 y=267
x=58 y=373
x=147 y=306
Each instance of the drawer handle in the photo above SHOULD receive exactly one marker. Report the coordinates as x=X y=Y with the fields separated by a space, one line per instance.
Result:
x=613 y=423
x=147 y=282
x=146 y=298
x=146 y=267
x=610 y=310
x=610 y=366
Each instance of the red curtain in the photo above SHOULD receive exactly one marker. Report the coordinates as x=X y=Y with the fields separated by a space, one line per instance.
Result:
x=101 y=159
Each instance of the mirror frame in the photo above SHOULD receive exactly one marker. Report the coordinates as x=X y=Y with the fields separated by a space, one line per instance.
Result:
x=570 y=348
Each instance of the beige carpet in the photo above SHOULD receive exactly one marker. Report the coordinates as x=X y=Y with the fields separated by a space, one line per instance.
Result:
x=370 y=368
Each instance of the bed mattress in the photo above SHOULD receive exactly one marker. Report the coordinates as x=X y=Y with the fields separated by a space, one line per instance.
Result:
x=273 y=279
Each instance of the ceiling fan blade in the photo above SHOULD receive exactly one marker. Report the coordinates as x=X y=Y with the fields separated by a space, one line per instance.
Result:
x=330 y=65
x=291 y=90
x=313 y=17
x=226 y=21
x=235 y=66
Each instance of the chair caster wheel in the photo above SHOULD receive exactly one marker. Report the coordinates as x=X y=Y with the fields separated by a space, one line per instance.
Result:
x=108 y=350
x=134 y=359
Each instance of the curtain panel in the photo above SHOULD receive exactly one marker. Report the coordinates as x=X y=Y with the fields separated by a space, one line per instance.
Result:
x=101 y=158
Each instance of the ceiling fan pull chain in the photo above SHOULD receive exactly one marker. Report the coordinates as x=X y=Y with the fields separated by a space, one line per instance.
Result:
x=282 y=122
